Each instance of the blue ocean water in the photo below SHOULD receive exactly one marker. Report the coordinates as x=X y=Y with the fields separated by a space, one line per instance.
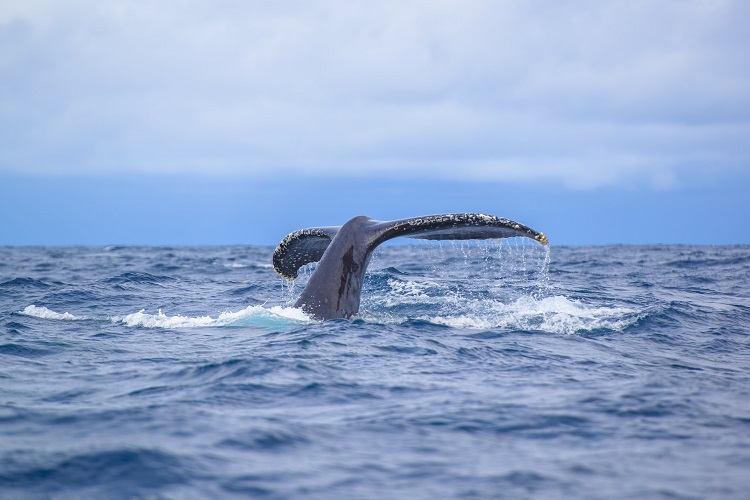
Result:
x=493 y=370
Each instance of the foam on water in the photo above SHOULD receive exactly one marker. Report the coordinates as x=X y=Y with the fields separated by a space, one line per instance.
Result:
x=555 y=314
x=239 y=318
x=255 y=265
x=272 y=317
x=410 y=292
x=44 y=313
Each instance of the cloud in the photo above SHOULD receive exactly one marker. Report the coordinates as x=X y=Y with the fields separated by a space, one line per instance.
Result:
x=587 y=95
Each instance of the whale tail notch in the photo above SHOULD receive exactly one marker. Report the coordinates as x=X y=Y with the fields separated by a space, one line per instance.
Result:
x=333 y=290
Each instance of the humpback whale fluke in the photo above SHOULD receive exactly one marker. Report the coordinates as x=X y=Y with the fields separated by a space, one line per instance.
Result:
x=334 y=289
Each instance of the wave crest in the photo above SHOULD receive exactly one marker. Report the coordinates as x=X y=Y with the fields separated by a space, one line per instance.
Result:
x=272 y=318
x=556 y=314
x=250 y=316
x=44 y=313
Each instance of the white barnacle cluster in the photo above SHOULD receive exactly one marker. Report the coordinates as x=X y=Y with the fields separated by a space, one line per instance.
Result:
x=283 y=247
x=434 y=219
x=479 y=219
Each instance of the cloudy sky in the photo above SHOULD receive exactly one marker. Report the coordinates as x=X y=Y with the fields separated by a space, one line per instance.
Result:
x=211 y=118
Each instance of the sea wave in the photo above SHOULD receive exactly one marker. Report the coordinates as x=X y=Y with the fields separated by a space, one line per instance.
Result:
x=458 y=378
x=556 y=314
x=99 y=470
x=272 y=318
x=44 y=313
x=17 y=283
x=250 y=316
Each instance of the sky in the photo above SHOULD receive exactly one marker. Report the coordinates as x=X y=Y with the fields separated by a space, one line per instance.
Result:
x=235 y=122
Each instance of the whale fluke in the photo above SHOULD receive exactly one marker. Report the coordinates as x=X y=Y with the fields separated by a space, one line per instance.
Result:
x=334 y=289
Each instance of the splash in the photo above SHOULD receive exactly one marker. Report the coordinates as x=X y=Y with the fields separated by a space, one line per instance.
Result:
x=273 y=318
x=556 y=314
x=250 y=316
x=44 y=313
x=478 y=285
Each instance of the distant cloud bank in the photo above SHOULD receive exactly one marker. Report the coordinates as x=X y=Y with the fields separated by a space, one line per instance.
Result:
x=585 y=94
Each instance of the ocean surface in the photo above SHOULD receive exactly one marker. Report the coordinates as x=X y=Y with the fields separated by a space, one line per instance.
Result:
x=489 y=370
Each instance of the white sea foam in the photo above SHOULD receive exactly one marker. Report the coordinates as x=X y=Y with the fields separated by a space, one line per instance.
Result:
x=250 y=316
x=273 y=317
x=409 y=292
x=241 y=265
x=44 y=313
x=555 y=314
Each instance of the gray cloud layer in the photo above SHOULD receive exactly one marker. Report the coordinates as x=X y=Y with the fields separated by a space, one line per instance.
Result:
x=586 y=93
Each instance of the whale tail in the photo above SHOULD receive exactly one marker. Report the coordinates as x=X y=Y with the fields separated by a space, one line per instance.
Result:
x=333 y=290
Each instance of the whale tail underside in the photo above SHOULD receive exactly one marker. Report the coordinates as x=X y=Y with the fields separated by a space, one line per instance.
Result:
x=308 y=245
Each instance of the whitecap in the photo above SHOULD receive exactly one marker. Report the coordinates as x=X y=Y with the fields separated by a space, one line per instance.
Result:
x=556 y=314
x=409 y=292
x=245 y=265
x=44 y=313
x=273 y=317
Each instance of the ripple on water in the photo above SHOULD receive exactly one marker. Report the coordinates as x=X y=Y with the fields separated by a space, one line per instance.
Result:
x=115 y=472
